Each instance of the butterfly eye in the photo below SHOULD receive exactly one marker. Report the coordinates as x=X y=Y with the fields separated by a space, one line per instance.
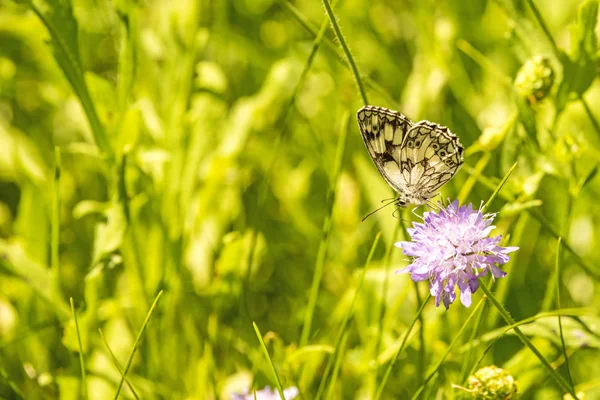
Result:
x=410 y=144
x=417 y=143
x=435 y=146
x=442 y=153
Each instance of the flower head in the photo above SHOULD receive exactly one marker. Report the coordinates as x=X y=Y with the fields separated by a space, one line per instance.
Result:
x=492 y=383
x=452 y=248
x=535 y=79
x=267 y=394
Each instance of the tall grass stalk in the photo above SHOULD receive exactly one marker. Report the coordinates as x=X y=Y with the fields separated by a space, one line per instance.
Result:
x=322 y=253
x=458 y=335
x=386 y=375
x=344 y=326
x=136 y=344
x=81 y=356
x=560 y=381
x=268 y=357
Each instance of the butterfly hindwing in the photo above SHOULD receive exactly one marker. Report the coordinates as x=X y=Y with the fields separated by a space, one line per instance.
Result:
x=383 y=132
x=430 y=155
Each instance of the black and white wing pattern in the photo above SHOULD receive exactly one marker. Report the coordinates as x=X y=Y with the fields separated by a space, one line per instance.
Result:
x=415 y=159
x=383 y=131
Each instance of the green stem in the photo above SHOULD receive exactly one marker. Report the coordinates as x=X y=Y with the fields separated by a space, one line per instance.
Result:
x=136 y=344
x=338 y=34
x=264 y=349
x=555 y=375
x=437 y=367
x=55 y=228
x=590 y=115
x=346 y=321
x=306 y=24
x=322 y=253
x=540 y=20
x=402 y=344
x=560 y=329
x=81 y=359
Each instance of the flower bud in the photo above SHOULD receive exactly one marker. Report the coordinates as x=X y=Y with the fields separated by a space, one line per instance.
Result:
x=492 y=383
x=534 y=80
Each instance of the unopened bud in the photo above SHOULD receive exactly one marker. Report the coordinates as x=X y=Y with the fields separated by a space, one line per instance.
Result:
x=534 y=80
x=492 y=383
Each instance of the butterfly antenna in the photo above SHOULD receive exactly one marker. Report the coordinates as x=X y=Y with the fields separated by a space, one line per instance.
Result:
x=374 y=211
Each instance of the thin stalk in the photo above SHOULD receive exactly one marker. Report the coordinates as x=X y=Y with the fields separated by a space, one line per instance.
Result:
x=55 y=228
x=560 y=329
x=499 y=187
x=386 y=375
x=590 y=115
x=340 y=37
x=540 y=20
x=266 y=352
x=421 y=359
x=555 y=375
x=136 y=344
x=467 y=358
x=436 y=368
x=338 y=364
x=81 y=359
x=116 y=362
x=306 y=24
x=384 y=290
x=346 y=322
x=584 y=264
x=322 y=253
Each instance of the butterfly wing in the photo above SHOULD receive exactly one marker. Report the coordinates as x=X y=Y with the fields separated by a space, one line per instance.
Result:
x=383 y=132
x=430 y=155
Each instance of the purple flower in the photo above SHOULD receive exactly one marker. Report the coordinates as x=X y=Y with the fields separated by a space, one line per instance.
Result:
x=452 y=248
x=267 y=394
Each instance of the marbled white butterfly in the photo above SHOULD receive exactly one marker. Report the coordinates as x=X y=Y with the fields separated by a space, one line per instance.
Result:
x=415 y=159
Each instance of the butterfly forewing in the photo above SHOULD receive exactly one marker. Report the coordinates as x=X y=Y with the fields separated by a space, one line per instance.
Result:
x=383 y=131
x=414 y=159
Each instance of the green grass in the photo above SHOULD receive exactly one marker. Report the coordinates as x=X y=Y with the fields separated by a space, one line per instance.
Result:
x=206 y=153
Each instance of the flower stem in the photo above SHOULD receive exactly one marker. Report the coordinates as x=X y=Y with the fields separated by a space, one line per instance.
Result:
x=436 y=368
x=402 y=344
x=338 y=33
x=555 y=375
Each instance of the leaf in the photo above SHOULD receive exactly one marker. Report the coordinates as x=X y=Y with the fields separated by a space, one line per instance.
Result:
x=57 y=16
x=110 y=232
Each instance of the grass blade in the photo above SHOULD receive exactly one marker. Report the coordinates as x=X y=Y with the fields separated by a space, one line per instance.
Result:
x=318 y=274
x=345 y=323
x=136 y=344
x=55 y=228
x=338 y=363
x=81 y=360
x=402 y=344
x=555 y=375
x=264 y=349
x=502 y=182
x=340 y=37
x=116 y=362
x=562 y=338
x=458 y=335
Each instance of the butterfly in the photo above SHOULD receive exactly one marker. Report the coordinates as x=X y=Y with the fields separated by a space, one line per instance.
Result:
x=414 y=158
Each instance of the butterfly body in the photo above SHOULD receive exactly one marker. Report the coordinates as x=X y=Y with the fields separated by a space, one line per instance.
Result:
x=415 y=159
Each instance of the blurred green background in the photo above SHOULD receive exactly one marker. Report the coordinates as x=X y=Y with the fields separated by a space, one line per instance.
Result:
x=209 y=149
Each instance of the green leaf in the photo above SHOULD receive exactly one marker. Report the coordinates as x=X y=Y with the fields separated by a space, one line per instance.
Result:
x=110 y=233
x=57 y=16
